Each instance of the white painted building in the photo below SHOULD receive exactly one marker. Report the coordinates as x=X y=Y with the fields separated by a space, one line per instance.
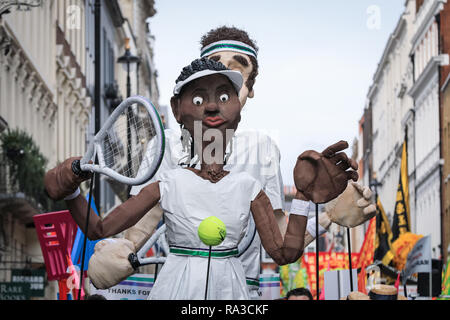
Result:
x=47 y=90
x=389 y=102
x=425 y=92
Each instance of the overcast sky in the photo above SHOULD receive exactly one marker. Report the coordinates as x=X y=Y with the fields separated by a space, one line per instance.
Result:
x=317 y=60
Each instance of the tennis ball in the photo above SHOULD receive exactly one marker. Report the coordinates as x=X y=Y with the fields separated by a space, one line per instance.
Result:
x=212 y=231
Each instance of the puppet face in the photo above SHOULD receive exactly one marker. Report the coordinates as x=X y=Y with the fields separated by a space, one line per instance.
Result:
x=211 y=100
x=238 y=62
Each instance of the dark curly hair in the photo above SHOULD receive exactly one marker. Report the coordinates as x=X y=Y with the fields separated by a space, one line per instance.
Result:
x=199 y=65
x=299 y=292
x=232 y=33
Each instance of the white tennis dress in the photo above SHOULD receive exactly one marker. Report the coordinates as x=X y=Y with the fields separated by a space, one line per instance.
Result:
x=186 y=200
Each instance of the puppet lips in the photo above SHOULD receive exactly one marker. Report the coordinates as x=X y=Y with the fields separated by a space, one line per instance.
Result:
x=213 y=121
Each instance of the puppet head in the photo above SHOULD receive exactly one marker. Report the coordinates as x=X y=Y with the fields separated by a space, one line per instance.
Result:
x=233 y=48
x=206 y=102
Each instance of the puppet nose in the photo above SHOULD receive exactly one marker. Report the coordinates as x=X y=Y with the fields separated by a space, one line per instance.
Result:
x=212 y=107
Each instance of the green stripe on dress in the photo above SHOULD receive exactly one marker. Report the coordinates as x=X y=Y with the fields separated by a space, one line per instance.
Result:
x=218 y=254
x=252 y=282
x=141 y=279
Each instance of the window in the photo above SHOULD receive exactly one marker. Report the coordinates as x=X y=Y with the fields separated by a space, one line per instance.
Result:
x=108 y=60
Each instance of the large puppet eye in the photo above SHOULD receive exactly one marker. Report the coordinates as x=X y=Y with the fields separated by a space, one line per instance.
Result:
x=197 y=100
x=224 y=97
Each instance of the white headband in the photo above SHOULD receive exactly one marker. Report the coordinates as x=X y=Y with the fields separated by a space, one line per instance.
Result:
x=228 y=45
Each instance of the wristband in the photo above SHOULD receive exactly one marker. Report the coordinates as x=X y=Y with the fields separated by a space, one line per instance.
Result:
x=300 y=207
x=73 y=195
x=311 y=227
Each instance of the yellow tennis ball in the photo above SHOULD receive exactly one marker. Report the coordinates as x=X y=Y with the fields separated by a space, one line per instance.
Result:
x=212 y=231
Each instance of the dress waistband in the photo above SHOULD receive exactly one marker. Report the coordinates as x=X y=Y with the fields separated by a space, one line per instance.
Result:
x=201 y=252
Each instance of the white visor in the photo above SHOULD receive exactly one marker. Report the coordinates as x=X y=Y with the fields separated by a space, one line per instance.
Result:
x=234 y=76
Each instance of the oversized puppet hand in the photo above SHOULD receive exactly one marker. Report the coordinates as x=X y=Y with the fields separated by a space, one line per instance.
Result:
x=353 y=207
x=321 y=177
x=109 y=264
x=61 y=181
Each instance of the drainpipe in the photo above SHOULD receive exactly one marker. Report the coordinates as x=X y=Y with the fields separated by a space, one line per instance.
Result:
x=97 y=92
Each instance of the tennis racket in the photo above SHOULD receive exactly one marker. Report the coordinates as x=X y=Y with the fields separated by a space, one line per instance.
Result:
x=130 y=145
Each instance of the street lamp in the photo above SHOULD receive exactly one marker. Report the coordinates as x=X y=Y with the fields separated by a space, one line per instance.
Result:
x=128 y=59
x=375 y=183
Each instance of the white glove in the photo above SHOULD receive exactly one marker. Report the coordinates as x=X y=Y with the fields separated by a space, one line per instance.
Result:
x=353 y=207
x=109 y=264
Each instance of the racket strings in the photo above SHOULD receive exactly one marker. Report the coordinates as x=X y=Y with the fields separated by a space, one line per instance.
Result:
x=127 y=142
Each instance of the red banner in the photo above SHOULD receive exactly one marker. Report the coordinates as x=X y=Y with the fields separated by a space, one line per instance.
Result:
x=327 y=261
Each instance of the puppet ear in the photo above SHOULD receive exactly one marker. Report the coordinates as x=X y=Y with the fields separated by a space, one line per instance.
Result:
x=175 y=104
x=251 y=94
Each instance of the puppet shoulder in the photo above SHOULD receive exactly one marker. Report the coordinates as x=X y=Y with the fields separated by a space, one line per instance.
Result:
x=256 y=140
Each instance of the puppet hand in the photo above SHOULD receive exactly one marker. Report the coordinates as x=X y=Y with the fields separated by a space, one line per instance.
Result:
x=61 y=181
x=352 y=207
x=321 y=177
x=109 y=264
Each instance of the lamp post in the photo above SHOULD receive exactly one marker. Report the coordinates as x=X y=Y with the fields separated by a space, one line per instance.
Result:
x=375 y=183
x=127 y=59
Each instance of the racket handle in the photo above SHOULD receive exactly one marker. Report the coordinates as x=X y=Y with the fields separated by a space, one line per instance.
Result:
x=134 y=261
x=76 y=169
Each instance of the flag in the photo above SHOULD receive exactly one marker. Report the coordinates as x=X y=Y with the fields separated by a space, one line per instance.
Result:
x=402 y=222
x=366 y=254
x=446 y=278
x=383 y=250
x=419 y=258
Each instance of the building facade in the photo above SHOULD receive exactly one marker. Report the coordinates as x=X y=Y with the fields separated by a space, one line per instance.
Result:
x=428 y=59
x=406 y=103
x=389 y=103
x=47 y=82
x=445 y=129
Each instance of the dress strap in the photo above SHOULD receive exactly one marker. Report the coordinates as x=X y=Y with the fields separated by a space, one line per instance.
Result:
x=201 y=252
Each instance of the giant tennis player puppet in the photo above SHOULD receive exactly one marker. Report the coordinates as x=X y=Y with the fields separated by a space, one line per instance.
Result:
x=234 y=48
x=206 y=98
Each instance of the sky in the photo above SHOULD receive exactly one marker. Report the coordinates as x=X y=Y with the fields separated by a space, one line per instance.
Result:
x=316 y=62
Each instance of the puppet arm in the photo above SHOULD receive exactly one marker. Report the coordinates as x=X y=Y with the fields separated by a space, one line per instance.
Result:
x=122 y=217
x=144 y=228
x=282 y=251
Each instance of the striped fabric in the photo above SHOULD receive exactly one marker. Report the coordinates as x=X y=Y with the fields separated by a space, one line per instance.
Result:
x=228 y=45
x=224 y=253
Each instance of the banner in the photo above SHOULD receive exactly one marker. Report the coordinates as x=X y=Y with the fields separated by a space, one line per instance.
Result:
x=293 y=276
x=335 y=261
x=135 y=287
x=401 y=222
x=366 y=254
x=419 y=258
x=269 y=286
x=383 y=250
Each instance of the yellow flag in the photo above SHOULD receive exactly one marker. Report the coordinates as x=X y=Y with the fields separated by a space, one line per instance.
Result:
x=402 y=222
x=383 y=250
